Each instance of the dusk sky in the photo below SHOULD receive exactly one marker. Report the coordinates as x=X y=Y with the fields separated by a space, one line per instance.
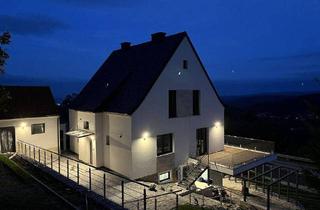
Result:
x=249 y=45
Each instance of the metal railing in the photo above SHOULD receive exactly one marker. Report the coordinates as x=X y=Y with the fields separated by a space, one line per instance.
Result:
x=250 y=143
x=109 y=185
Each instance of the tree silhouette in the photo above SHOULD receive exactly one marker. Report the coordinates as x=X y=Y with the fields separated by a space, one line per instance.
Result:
x=5 y=39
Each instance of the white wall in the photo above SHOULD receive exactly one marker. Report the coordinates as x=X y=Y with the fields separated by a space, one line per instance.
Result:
x=118 y=155
x=152 y=114
x=81 y=146
x=48 y=140
x=73 y=124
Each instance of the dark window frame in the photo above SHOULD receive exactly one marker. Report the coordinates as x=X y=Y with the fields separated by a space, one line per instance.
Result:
x=172 y=104
x=108 y=140
x=86 y=125
x=196 y=102
x=35 y=131
x=162 y=145
x=185 y=64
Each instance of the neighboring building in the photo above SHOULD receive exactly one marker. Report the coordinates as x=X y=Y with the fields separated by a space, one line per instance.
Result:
x=29 y=115
x=148 y=109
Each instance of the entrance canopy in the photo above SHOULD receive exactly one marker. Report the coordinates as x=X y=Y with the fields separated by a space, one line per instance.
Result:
x=79 y=133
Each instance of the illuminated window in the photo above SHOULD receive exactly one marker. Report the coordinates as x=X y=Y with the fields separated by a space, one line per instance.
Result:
x=86 y=125
x=164 y=176
x=164 y=144
x=37 y=128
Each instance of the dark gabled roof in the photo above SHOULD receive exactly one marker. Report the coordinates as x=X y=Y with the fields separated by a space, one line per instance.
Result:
x=27 y=101
x=125 y=78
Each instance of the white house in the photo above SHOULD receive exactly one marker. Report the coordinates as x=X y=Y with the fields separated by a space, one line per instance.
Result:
x=147 y=109
x=29 y=115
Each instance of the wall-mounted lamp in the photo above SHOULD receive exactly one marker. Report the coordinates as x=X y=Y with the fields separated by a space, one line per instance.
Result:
x=145 y=135
x=217 y=124
x=23 y=125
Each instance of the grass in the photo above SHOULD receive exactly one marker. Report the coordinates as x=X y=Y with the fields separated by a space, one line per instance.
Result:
x=19 y=191
x=14 y=168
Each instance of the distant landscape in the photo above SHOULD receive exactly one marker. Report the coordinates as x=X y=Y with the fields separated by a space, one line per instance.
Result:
x=282 y=118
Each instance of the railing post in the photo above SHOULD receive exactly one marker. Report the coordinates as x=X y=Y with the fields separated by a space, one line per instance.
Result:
x=144 y=199
x=297 y=186
x=30 y=152
x=263 y=179
x=34 y=153
x=59 y=164
x=122 y=193
x=279 y=183
x=89 y=178
x=25 y=150
x=268 y=197
x=39 y=155
x=288 y=187
x=104 y=185
x=155 y=203
x=45 y=157
x=244 y=190
x=51 y=160
x=78 y=173
x=177 y=201
x=68 y=168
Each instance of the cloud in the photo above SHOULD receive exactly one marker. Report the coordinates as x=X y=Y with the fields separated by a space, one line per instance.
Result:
x=36 y=25
x=290 y=57
x=99 y=3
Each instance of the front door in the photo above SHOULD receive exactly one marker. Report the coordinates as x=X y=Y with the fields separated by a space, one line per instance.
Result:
x=202 y=141
x=7 y=140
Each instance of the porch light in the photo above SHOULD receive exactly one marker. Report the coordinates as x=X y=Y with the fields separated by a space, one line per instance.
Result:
x=217 y=124
x=145 y=135
x=23 y=125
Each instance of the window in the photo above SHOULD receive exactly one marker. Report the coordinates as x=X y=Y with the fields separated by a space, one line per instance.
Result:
x=185 y=64
x=172 y=104
x=196 y=102
x=107 y=140
x=86 y=125
x=184 y=103
x=37 y=128
x=164 y=144
x=164 y=176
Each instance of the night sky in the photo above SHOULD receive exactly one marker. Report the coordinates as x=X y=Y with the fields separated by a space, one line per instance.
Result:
x=247 y=46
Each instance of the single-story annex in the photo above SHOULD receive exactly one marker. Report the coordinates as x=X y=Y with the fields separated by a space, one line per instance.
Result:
x=30 y=115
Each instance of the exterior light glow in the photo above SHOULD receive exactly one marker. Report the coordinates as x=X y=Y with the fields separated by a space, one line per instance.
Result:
x=23 y=125
x=145 y=135
x=217 y=124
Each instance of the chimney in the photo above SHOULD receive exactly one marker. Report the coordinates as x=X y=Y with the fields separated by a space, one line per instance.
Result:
x=159 y=36
x=125 y=45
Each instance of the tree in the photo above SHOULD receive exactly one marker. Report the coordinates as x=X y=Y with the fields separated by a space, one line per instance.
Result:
x=5 y=39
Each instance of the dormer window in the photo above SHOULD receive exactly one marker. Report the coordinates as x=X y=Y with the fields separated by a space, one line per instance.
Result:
x=185 y=64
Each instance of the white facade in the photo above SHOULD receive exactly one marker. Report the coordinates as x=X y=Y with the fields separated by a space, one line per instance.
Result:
x=132 y=140
x=22 y=128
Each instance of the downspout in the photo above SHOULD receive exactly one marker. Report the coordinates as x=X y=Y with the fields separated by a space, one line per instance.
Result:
x=58 y=133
